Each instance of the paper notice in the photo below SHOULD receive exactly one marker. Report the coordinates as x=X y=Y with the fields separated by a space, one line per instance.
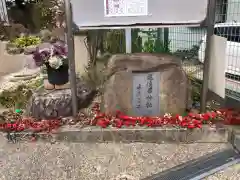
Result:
x=125 y=8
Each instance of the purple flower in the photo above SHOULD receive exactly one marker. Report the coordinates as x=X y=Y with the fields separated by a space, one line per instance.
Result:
x=57 y=49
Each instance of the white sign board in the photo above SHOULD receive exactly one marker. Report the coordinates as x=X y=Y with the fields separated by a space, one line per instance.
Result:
x=125 y=8
x=90 y=14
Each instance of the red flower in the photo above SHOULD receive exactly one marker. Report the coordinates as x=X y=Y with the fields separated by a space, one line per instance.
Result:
x=103 y=123
x=9 y=125
x=213 y=114
x=206 y=117
x=191 y=126
x=129 y=123
x=118 y=123
x=14 y=126
x=191 y=114
x=20 y=127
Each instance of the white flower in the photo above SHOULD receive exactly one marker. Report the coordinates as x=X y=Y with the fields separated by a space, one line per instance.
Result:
x=55 y=62
x=167 y=115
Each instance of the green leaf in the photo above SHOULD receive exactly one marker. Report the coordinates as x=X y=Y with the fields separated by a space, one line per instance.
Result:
x=18 y=111
x=185 y=114
x=118 y=107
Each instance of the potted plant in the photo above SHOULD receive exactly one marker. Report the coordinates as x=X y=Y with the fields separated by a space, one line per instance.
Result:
x=56 y=61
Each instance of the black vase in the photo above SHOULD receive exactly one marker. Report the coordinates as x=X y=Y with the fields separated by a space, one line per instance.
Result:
x=58 y=76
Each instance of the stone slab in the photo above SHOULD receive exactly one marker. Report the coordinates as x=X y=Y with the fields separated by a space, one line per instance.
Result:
x=236 y=142
x=137 y=134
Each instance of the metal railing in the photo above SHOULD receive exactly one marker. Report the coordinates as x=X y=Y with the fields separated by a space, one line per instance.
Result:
x=185 y=42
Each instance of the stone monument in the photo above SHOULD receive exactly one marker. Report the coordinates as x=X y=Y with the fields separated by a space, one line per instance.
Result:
x=146 y=84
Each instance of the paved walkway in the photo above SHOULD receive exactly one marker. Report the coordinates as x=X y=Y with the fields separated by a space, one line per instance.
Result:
x=63 y=161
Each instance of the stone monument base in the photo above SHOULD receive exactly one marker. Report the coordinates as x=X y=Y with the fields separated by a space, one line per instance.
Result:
x=50 y=104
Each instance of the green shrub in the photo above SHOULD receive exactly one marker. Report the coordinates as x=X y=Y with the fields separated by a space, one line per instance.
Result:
x=25 y=41
x=19 y=97
x=96 y=76
x=115 y=41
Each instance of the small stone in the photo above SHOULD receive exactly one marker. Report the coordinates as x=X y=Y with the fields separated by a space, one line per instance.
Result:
x=45 y=35
x=53 y=141
x=14 y=50
x=44 y=45
x=30 y=49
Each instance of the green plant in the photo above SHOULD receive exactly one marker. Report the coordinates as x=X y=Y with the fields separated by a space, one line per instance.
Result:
x=34 y=14
x=188 y=53
x=12 y=31
x=93 y=42
x=19 y=97
x=154 y=44
x=149 y=46
x=136 y=41
x=15 y=98
x=95 y=76
x=196 y=87
x=115 y=41
x=45 y=13
x=25 y=41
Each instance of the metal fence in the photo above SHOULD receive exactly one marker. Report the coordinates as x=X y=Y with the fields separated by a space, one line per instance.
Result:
x=228 y=26
x=188 y=43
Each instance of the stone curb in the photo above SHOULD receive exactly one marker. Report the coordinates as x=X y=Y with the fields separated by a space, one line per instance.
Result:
x=236 y=142
x=234 y=137
x=138 y=134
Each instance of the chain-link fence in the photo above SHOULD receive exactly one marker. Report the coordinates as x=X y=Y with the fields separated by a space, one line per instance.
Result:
x=189 y=44
x=193 y=40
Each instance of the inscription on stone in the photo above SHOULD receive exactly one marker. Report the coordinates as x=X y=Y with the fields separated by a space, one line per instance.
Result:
x=145 y=96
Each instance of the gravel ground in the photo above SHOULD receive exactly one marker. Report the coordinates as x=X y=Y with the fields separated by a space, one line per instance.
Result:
x=82 y=161
x=232 y=173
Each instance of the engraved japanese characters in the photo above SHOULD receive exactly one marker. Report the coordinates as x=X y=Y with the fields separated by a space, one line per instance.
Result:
x=145 y=97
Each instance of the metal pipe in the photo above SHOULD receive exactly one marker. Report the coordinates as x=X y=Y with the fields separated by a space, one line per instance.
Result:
x=210 y=32
x=128 y=40
x=71 y=56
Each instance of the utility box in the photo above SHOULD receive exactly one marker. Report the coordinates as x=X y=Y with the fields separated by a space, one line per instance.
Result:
x=100 y=14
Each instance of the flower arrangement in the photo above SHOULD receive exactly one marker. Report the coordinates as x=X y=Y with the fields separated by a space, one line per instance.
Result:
x=55 y=55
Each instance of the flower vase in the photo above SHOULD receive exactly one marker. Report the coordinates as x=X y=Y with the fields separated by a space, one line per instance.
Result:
x=58 y=76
